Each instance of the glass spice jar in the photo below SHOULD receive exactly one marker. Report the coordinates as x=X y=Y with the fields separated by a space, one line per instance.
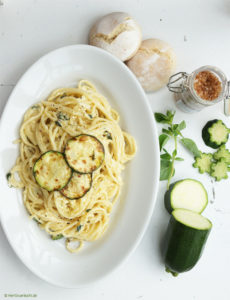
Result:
x=204 y=87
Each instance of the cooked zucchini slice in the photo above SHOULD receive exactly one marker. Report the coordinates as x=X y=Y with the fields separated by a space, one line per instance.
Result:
x=203 y=163
x=219 y=170
x=188 y=194
x=215 y=133
x=84 y=153
x=78 y=186
x=51 y=171
x=222 y=152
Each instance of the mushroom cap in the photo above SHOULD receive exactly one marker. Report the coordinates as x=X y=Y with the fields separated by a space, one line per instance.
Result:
x=117 y=33
x=153 y=64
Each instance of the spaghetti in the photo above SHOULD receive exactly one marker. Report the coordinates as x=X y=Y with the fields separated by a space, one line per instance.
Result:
x=48 y=125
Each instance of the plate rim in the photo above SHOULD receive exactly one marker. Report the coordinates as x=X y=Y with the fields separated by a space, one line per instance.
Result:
x=155 y=182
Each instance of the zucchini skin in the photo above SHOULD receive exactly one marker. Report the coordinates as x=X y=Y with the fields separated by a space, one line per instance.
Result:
x=184 y=246
x=167 y=198
x=207 y=137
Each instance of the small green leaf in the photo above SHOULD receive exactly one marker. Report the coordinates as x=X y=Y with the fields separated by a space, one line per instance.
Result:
x=175 y=127
x=167 y=131
x=191 y=146
x=170 y=115
x=166 y=169
x=36 y=221
x=107 y=134
x=179 y=158
x=182 y=125
x=166 y=156
x=8 y=175
x=88 y=209
x=58 y=123
x=165 y=151
x=174 y=153
x=62 y=116
x=161 y=118
x=79 y=227
x=163 y=139
x=56 y=237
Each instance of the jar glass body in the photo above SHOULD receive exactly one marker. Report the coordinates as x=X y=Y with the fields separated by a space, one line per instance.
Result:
x=189 y=101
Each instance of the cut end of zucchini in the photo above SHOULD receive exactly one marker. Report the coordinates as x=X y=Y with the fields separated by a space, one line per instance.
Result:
x=203 y=163
x=51 y=171
x=187 y=194
x=215 y=133
x=84 y=153
x=78 y=186
x=191 y=219
x=219 y=170
x=222 y=152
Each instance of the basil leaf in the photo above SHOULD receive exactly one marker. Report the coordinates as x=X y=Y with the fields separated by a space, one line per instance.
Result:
x=79 y=227
x=163 y=139
x=179 y=158
x=174 y=153
x=182 y=125
x=8 y=175
x=170 y=115
x=166 y=169
x=191 y=146
x=56 y=237
x=166 y=156
x=58 y=123
x=167 y=131
x=161 y=118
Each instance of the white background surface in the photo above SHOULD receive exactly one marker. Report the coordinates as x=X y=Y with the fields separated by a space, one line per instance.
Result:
x=199 y=33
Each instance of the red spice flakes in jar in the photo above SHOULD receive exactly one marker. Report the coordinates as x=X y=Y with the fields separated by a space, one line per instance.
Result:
x=207 y=85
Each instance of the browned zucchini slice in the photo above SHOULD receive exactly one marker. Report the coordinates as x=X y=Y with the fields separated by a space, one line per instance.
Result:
x=51 y=171
x=84 y=153
x=78 y=186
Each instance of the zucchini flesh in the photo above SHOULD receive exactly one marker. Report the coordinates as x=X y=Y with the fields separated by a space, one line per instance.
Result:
x=222 y=152
x=51 y=171
x=215 y=133
x=219 y=170
x=78 y=186
x=186 y=236
x=203 y=163
x=84 y=153
x=188 y=194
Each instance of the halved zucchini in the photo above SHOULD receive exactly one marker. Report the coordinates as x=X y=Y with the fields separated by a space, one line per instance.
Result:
x=185 y=240
x=84 y=153
x=78 y=186
x=51 y=171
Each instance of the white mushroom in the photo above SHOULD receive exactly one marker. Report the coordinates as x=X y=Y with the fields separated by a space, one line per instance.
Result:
x=153 y=64
x=117 y=33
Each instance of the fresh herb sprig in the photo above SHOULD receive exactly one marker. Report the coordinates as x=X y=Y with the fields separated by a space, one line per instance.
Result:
x=173 y=131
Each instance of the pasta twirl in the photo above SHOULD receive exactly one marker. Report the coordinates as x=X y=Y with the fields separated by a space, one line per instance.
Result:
x=48 y=125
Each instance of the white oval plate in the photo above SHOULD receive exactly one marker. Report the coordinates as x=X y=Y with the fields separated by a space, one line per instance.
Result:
x=49 y=259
